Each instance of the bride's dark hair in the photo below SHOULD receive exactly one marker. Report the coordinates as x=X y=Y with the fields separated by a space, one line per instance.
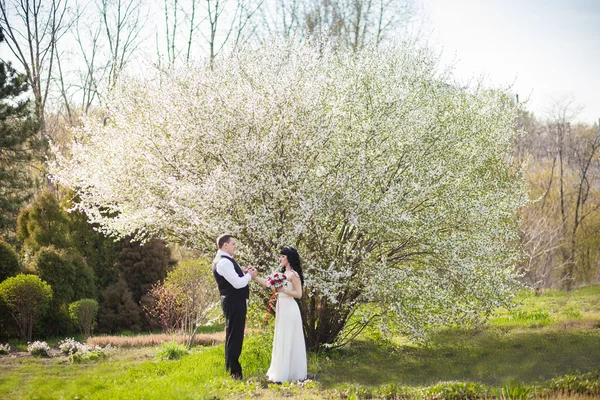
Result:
x=294 y=259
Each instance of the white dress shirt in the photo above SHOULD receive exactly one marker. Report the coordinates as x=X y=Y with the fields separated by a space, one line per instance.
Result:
x=226 y=269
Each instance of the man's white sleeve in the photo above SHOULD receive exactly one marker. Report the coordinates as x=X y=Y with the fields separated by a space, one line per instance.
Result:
x=226 y=270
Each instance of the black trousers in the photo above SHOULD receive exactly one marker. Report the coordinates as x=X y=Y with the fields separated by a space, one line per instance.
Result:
x=234 y=309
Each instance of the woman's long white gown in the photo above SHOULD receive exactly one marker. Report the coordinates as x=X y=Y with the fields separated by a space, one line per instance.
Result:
x=288 y=359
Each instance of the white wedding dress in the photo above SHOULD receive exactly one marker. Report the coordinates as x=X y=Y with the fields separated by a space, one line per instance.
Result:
x=288 y=359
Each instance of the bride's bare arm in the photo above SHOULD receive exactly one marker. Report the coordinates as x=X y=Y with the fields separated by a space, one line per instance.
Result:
x=296 y=290
x=261 y=281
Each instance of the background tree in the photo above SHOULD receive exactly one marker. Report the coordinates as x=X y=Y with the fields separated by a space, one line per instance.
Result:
x=27 y=296
x=118 y=311
x=100 y=252
x=561 y=225
x=67 y=273
x=164 y=310
x=9 y=261
x=142 y=265
x=18 y=146
x=71 y=279
x=32 y=29
x=9 y=266
x=192 y=283
x=83 y=312
x=43 y=223
x=123 y=22
x=389 y=179
x=350 y=24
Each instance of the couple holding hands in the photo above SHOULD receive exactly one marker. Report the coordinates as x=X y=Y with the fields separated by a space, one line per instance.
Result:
x=288 y=358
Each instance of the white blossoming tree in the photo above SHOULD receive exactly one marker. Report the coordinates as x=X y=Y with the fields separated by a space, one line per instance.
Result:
x=395 y=184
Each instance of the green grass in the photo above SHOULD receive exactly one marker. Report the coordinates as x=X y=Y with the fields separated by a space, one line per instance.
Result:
x=547 y=341
x=489 y=356
x=552 y=307
x=126 y=374
x=171 y=351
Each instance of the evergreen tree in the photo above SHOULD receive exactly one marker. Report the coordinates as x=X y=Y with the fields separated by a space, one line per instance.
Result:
x=118 y=311
x=71 y=279
x=18 y=146
x=44 y=223
x=9 y=261
x=145 y=264
x=100 y=252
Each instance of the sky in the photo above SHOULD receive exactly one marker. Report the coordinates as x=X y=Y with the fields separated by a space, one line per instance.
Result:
x=547 y=50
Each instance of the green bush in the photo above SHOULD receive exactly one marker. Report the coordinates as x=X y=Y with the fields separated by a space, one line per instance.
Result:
x=515 y=392
x=84 y=312
x=118 y=311
x=27 y=296
x=87 y=357
x=43 y=223
x=458 y=391
x=67 y=273
x=100 y=252
x=39 y=349
x=9 y=261
x=70 y=278
x=144 y=265
x=4 y=349
x=171 y=351
x=531 y=318
x=580 y=384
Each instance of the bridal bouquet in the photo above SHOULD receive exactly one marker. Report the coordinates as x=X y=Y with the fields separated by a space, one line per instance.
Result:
x=276 y=280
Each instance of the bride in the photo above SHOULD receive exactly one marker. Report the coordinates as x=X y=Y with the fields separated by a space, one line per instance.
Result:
x=288 y=359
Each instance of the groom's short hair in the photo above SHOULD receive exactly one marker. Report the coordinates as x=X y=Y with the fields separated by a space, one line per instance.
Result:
x=221 y=240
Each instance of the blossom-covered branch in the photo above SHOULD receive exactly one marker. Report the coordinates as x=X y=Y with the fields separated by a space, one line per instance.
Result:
x=395 y=184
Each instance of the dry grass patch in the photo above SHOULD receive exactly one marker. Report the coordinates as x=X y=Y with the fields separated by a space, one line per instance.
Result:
x=203 y=339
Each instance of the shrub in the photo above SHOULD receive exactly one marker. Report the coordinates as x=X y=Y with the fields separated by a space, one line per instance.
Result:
x=164 y=309
x=515 y=392
x=81 y=358
x=193 y=285
x=43 y=223
x=8 y=325
x=67 y=273
x=79 y=352
x=71 y=279
x=27 y=296
x=70 y=346
x=118 y=311
x=39 y=349
x=83 y=313
x=9 y=261
x=580 y=384
x=4 y=348
x=144 y=265
x=458 y=390
x=171 y=351
x=100 y=252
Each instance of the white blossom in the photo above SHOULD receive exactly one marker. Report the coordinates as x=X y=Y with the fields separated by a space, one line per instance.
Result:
x=395 y=184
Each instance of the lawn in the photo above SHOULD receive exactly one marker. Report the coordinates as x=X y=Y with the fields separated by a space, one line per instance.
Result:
x=548 y=345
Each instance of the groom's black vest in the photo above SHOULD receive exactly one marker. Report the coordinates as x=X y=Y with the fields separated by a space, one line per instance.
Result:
x=225 y=288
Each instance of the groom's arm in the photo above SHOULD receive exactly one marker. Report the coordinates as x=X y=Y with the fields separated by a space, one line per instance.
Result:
x=226 y=270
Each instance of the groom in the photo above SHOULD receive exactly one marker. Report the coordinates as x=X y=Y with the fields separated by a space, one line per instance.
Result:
x=233 y=286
